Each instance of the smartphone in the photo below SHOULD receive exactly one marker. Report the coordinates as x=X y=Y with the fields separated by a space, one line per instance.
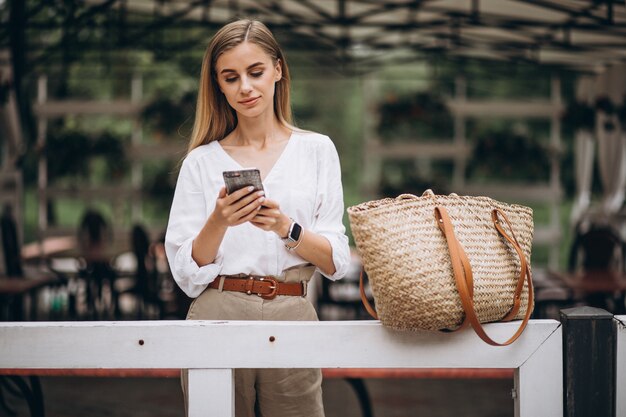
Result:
x=236 y=180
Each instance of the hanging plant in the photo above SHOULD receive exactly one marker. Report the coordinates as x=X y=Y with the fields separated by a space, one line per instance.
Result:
x=111 y=149
x=504 y=155
x=167 y=115
x=414 y=116
x=160 y=186
x=69 y=153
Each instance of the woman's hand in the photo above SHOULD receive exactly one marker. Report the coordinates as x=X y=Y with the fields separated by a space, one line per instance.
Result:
x=237 y=208
x=271 y=219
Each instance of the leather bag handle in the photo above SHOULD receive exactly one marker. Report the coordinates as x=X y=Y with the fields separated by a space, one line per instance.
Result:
x=364 y=300
x=457 y=257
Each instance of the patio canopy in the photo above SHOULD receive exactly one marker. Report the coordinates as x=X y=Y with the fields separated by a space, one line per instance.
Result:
x=360 y=35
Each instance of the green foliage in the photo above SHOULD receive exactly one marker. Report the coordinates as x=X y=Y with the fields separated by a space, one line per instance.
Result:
x=67 y=154
x=166 y=114
x=71 y=152
x=420 y=115
x=414 y=177
x=334 y=107
x=508 y=156
x=159 y=183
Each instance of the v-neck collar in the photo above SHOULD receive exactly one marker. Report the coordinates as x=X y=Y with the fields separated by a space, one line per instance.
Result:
x=276 y=163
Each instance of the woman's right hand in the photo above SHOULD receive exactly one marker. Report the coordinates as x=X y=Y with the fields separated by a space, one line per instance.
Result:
x=237 y=208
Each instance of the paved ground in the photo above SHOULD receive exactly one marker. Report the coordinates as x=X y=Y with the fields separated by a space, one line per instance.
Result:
x=143 y=397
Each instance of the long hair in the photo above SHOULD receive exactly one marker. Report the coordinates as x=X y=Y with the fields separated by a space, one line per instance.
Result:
x=214 y=117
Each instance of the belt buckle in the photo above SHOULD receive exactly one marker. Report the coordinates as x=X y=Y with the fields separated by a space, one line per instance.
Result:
x=273 y=287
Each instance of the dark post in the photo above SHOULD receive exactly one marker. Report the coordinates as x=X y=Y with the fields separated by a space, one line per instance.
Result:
x=588 y=362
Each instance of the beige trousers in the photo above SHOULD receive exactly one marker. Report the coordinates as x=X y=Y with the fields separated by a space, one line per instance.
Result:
x=266 y=392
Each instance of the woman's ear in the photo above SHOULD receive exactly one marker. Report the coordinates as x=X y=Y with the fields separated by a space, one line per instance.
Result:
x=279 y=71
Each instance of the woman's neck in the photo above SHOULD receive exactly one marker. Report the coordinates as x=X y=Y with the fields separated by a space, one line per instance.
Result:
x=258 y=133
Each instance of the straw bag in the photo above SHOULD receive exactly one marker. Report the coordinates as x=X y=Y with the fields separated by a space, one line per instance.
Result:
x=445 y=262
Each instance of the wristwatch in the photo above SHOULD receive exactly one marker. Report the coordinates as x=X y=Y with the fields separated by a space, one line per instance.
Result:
x=294 y=235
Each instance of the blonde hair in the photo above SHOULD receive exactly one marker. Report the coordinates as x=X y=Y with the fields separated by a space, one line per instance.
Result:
x=214 y=117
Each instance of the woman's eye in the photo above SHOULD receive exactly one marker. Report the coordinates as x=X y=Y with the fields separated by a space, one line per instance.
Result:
x=231 y=80
x=257 y=74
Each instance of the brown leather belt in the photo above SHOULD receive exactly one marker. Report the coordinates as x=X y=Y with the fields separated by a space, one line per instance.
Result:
x=266 y=287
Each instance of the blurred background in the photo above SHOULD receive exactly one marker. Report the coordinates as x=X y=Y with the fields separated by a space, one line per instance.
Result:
x=522 y=101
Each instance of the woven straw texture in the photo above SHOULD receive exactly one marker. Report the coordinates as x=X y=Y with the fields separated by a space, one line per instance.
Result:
x=406 y=258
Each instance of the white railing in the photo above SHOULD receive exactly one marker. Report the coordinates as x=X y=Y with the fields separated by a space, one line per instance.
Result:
x=620 y=366
x=212 y=349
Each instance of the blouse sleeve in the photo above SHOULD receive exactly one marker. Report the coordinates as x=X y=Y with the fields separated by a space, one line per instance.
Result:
x=328 y=220
x=187 y=217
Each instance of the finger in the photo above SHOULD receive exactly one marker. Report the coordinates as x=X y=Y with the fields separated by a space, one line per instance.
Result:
x=222 y=193
x=249 y=217
x=271 y=203
x=252 y=207
x=260 y=219
x=259 y=224
x=248 y=199
x=269 y=212
x=239 y=194
x=266 y=221
x=248 y=203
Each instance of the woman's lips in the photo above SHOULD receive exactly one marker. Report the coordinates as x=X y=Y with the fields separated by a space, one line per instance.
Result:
x=250 y=101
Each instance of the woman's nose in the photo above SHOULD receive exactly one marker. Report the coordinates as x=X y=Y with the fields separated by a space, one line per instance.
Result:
x=246 y=86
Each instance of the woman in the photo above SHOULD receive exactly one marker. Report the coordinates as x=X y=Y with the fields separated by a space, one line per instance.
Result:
x=216 y=241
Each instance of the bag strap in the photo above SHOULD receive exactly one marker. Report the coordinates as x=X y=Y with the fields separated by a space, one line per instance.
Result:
x=458 y=258
x=366 y=302
x=524 y=269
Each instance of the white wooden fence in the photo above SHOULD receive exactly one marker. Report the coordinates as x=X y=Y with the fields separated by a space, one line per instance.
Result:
x=212 y=349
x=620 y=366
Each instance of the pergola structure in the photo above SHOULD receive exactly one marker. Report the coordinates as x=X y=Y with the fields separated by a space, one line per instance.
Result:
x=356 y=34
x=354 y=37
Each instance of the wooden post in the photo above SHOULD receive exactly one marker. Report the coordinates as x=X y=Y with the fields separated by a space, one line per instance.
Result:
x=211 y=392
x=619 y=324
x=533 y=397
x=588 y=362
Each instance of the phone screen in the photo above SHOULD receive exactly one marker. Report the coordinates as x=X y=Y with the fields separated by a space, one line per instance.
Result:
x=236 y=180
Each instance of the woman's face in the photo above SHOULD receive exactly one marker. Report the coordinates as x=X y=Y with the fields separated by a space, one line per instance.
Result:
x=247 y=76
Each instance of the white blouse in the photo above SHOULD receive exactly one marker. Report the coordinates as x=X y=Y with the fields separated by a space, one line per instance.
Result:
x=306 y=183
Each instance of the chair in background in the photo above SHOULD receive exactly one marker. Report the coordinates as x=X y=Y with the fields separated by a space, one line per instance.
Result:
x=599 y=252
x=146 y=286
x=10 y=244
x=30 y=280
x=600 y=248
x=28 y=388
x=94 y=240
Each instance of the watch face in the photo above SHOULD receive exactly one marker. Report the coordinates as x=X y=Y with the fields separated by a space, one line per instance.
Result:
x=295 y=232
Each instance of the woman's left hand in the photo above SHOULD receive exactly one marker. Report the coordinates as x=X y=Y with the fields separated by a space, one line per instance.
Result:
x=271 y=219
